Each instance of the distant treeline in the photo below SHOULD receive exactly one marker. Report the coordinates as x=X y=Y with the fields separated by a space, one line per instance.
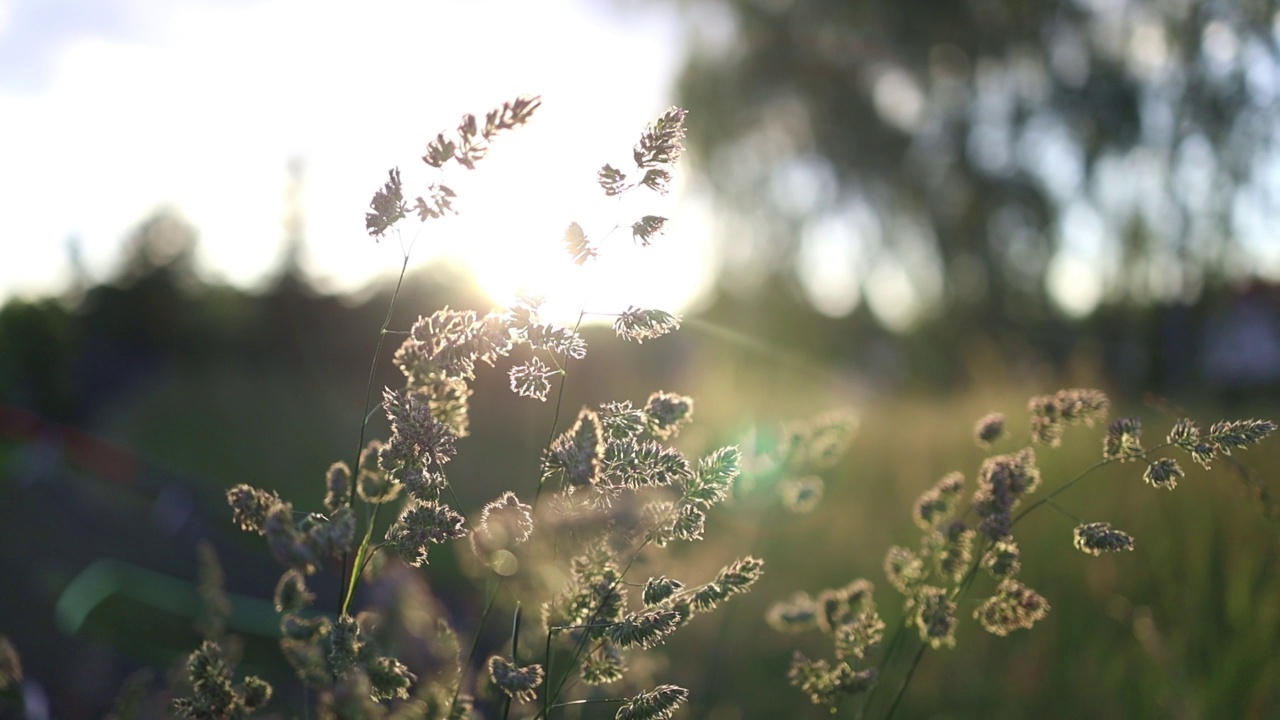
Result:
x=66 y=357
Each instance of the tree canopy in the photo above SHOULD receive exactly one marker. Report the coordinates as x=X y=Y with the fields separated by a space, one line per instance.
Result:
x=999 y=161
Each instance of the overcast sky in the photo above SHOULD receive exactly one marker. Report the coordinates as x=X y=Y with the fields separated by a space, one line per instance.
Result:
x=112 y=109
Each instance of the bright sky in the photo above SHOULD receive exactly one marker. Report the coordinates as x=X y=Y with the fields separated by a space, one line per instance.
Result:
x=114 y=108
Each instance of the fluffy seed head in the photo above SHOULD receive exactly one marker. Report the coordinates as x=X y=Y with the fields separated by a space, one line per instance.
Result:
x=1002 y=481
x=603 y=665
x=344 y=645
x=936 y=617
x=638 y=325
x=504 y=523
x=621 y=421
x=801 y=495
x=1051 y=413
x=841 y=606
x=904 y=569
x=988 y=429
x=250 y=506
x=740 y=575
x=644 y=629
x=854 y=639
x=1002 y=559
x=575 y=240
x=658 y=589
x=824 y=683
x=531 y=379
x=1099 y=537
x=555 y=339
x=1163 y=473
x=1123 y=440
x=577 y=452
x=1014 y=606
x=795 y=614
x=420 y=525
x=657 y=704
x=416 y=435
x=660 y=144
x=387 y=206
x=390 y=679
x=1185 y=434
x=952 y=550
x=518 y=683
x=714 y=477
x=305 y=630
x=291 y=592
x=938 y=502
x=665 y=413
x=1232 y=434
x=337 y=484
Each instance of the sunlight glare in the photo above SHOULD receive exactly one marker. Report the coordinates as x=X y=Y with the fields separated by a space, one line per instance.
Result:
x=511 y=235
x=124 y=128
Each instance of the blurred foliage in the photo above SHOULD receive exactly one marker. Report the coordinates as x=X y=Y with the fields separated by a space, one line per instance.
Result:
x=950 y=162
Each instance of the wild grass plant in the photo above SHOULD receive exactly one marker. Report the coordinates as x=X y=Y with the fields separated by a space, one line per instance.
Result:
x=968 y=561
x=561 y=551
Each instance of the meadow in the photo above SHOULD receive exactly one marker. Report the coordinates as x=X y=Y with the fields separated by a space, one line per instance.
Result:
x=804 y=463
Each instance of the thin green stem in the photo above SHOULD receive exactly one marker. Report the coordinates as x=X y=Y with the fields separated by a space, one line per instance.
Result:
x=515 y=633
x=454 y=494
x=915 y=662
x=1080 y=476
x=515 y=656
x=1064 y=511
x=555 y=421
x=1061 y=489
x=567 y=703
x=555 y=416
x=362 y=556
x=475 y=644
x=884 y=665
x=359 y=569
x=546 y=677
x=960 y=590
x=365 y=552
x=349 y=576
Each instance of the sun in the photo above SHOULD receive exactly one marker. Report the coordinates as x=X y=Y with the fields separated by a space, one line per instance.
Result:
x=511 y=236
x=624 y=274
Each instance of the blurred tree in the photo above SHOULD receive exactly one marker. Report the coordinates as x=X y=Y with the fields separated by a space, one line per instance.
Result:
x=291 y=311
x=145 y=317
x=162 y=246
x=990 y=163
x=37 y=342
